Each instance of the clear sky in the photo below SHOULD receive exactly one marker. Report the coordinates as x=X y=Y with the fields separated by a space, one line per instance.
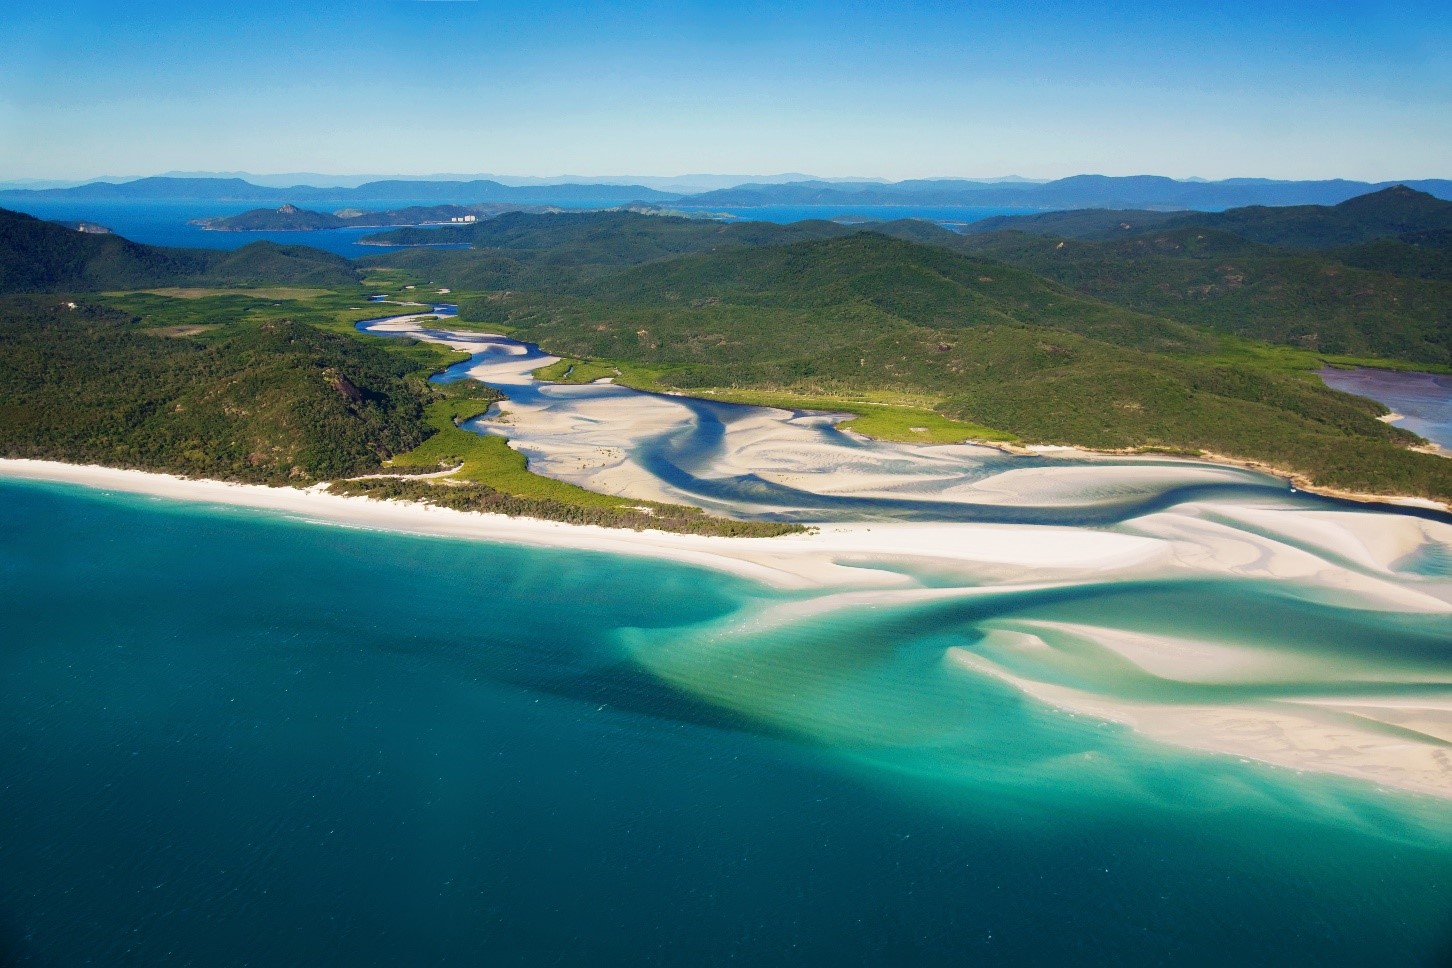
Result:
x=888 y=89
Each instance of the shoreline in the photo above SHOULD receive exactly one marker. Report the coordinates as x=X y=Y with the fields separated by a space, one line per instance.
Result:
x=1296 y=479
x=870 y=565
x=1301 y=482
x=794 y=561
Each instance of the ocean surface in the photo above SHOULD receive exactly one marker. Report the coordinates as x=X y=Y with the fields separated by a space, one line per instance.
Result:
x=237 y=737
x=166 y=223
x=229 y=737
x=1424 y=400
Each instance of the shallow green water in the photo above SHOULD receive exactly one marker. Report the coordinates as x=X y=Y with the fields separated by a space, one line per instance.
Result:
x=233 y=738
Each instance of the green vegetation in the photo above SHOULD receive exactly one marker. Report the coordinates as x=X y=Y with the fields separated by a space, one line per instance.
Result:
x=1161 y=336
x=482 y=459
x=272 y=401
x=576 y=371
x=1397 y=212
x=1222 y=283
x=335 y=312
x=637 y=516
x=1389 y=213
x=290 y=293
x=239 y=385
x=488 y=475
x=550 y=252
x=885 y=421
x=1370 y=277
x=290 y=218
x=979 y=342
x=1417 y=255
x=38 y=256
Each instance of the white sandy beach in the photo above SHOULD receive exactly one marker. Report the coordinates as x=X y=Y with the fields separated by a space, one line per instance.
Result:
x=1342 y=735
x=582 y=434
x=792 y=561
x=1339 y=559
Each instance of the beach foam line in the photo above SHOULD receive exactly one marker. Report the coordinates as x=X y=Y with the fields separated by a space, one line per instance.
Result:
x=857 y=566
x=835 y=555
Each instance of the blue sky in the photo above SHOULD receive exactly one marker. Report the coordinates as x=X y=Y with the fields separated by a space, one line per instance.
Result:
x=898 y=90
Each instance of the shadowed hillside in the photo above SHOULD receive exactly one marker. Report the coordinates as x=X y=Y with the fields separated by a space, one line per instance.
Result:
x=39 y=256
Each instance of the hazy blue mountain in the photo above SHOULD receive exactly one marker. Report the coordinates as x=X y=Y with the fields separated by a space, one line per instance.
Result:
x=1079 y=191
x=237 y=189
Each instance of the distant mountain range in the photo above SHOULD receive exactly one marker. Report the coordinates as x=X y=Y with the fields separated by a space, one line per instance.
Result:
x=163 y=188
x=1077 y=192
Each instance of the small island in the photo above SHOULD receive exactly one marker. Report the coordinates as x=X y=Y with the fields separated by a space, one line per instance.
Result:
x=290 y=218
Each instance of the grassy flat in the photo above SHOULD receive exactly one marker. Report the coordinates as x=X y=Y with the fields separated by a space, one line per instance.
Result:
x=489 y=460
x=576 y=371
x=878 y=420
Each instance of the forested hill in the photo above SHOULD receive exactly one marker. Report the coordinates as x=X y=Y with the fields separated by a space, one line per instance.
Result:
x=1390 y=213
x=290 y=218
x=273 y=401
x=287 y=218
x=1116 y=343
x=1371 y=276
x=39 y=256
x=920 y=284
x=557 y=251
x=1393 y=212
x=1220 y=282
x=869 y=317
x=1390 y=297
x=614 y=236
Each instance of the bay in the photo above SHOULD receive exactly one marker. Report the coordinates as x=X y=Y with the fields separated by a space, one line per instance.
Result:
x=1423 y=400
x=229 y=737
x=167 y=222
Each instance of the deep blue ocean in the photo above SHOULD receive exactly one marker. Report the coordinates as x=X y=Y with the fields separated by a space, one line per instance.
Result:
x=166 y=223
x=229 y=737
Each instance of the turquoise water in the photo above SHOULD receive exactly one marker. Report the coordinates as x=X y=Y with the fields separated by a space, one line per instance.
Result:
x=228 y=737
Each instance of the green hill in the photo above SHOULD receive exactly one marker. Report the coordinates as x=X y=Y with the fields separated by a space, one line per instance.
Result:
x=1078 y=223
x=267 y=263
x=39 y=256
x=558 y=250
x=607 y=237
x=271 y=402
x=920 y=284
x=1392 y=212
x=1419 y=255
x=1217 y=281
x=867 y=315
x=1125 y=342
x=1389 y=213
x=288 y=218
